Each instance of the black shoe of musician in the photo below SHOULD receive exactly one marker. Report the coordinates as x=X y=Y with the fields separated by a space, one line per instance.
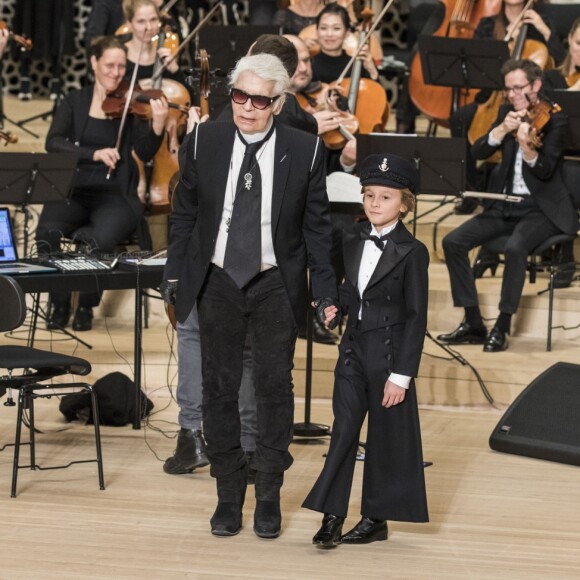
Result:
x=328 y=536
x=464 y=334
x=189 y=454
x=58 y=318
x=496 y=341
x=83 y=319
x=366 y=531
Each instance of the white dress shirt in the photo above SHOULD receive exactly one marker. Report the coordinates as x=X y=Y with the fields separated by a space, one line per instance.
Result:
x=370 y=258
x=265 y=158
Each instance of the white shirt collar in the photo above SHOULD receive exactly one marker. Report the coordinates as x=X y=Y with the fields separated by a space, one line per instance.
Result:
x=384 y=231
x=255 y=137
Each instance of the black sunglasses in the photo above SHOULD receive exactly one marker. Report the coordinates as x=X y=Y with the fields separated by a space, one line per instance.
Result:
x=258 y=101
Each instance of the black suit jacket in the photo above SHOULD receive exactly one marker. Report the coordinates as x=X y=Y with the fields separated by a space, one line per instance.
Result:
x=544 y=180
x=301 y=228
x=396 y=296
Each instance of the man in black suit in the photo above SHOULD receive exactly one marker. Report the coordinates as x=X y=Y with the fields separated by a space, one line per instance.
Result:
x=251 y=213
x=530 y=171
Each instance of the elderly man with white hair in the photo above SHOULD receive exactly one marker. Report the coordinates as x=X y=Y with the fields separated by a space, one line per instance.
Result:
x=250 y=215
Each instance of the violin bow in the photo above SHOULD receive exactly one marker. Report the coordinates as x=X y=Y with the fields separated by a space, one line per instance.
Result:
x=187 y=40
x=128 y=97
x=515 y=23
x=364 y=41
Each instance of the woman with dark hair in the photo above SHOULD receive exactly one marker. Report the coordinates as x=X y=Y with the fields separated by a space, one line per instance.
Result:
x=104 y=208
x=332 y=26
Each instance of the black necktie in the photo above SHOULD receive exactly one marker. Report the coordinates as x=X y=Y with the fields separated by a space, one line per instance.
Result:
x=243 y=257
x=379 y=242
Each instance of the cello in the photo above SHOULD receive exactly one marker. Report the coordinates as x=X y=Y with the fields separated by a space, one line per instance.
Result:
x=460 y=20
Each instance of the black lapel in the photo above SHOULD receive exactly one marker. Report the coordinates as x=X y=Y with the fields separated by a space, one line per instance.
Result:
x=218 y=180
x=353 y=249
x=397 y=248
x=282 y=159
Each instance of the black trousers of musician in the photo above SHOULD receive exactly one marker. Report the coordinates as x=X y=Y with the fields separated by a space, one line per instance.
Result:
x=99 y=217
x=226 y=314
x=393 y=477
x=527 y=227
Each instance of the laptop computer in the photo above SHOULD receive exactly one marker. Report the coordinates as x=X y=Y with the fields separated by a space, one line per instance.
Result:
x=9 y=263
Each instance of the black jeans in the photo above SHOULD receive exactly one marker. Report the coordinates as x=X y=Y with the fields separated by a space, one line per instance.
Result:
x=226 y=314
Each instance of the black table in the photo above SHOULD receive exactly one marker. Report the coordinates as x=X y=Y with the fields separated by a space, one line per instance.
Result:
x=96 y=281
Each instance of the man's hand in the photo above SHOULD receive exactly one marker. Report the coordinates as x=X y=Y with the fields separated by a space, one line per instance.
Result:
x=393 y=395
x=168 y=291
x=327 y=312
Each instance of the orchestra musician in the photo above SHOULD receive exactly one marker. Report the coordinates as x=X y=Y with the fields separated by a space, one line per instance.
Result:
x=526 y=170
x=567 y=75
x=299 y=15
x=332 y=26
x=102 y=211
x=245 y=265
x=539 y=30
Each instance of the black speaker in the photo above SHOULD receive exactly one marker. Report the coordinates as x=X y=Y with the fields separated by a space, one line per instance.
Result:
x=544 y=421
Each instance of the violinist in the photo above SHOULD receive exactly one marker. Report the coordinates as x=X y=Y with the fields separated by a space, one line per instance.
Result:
x=332 y=26
x=546 y=209
x=510 y=18
x=298 y=16
x=567 y=75
x=144 y=21
x=102 y=211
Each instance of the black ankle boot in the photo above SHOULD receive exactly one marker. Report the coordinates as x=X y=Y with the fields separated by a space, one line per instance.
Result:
x=231 y=490
x=189 y=454
x=267 y=516
x=58 y=318
x=83 y=319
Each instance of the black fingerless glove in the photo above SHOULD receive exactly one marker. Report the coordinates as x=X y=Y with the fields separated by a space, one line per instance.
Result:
x=168 y=291
x=320 y=305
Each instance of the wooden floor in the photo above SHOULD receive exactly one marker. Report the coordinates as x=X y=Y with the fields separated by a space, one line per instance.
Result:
x=492 y=515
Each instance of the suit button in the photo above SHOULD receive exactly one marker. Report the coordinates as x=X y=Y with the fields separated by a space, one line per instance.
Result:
x=366 y=303
x=385 y=318
x=347 y=362
x=388 y=341
x=388 y=371
x=348 y=351
x=388 y=298
x=387 y=328
x=389 y=356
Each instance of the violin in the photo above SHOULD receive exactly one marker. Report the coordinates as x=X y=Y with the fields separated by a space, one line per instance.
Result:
x=538 y=116
x=8 y=137
x=115 y=101
x=25 y=43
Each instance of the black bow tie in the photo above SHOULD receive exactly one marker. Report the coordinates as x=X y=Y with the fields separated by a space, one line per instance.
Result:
x=379 y=242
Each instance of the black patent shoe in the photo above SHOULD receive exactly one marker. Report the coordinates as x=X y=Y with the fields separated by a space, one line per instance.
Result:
x=58 y=319
x=189 y=454
x=328 y=536
x=496 y=341
x=366 y=531
x=267 y=519
x=464 y=334
x=227 y=519
x=83 y=319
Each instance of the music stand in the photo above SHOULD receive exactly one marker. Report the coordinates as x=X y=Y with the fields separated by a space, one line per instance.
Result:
x=225 y=45
x=39 y=178
x=439 y=160
x=462 y=63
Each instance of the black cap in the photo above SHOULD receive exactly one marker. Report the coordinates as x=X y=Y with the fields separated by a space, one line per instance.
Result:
x=389 y=170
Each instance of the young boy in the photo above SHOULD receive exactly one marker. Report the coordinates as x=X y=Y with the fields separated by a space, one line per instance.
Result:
x=385 y=297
